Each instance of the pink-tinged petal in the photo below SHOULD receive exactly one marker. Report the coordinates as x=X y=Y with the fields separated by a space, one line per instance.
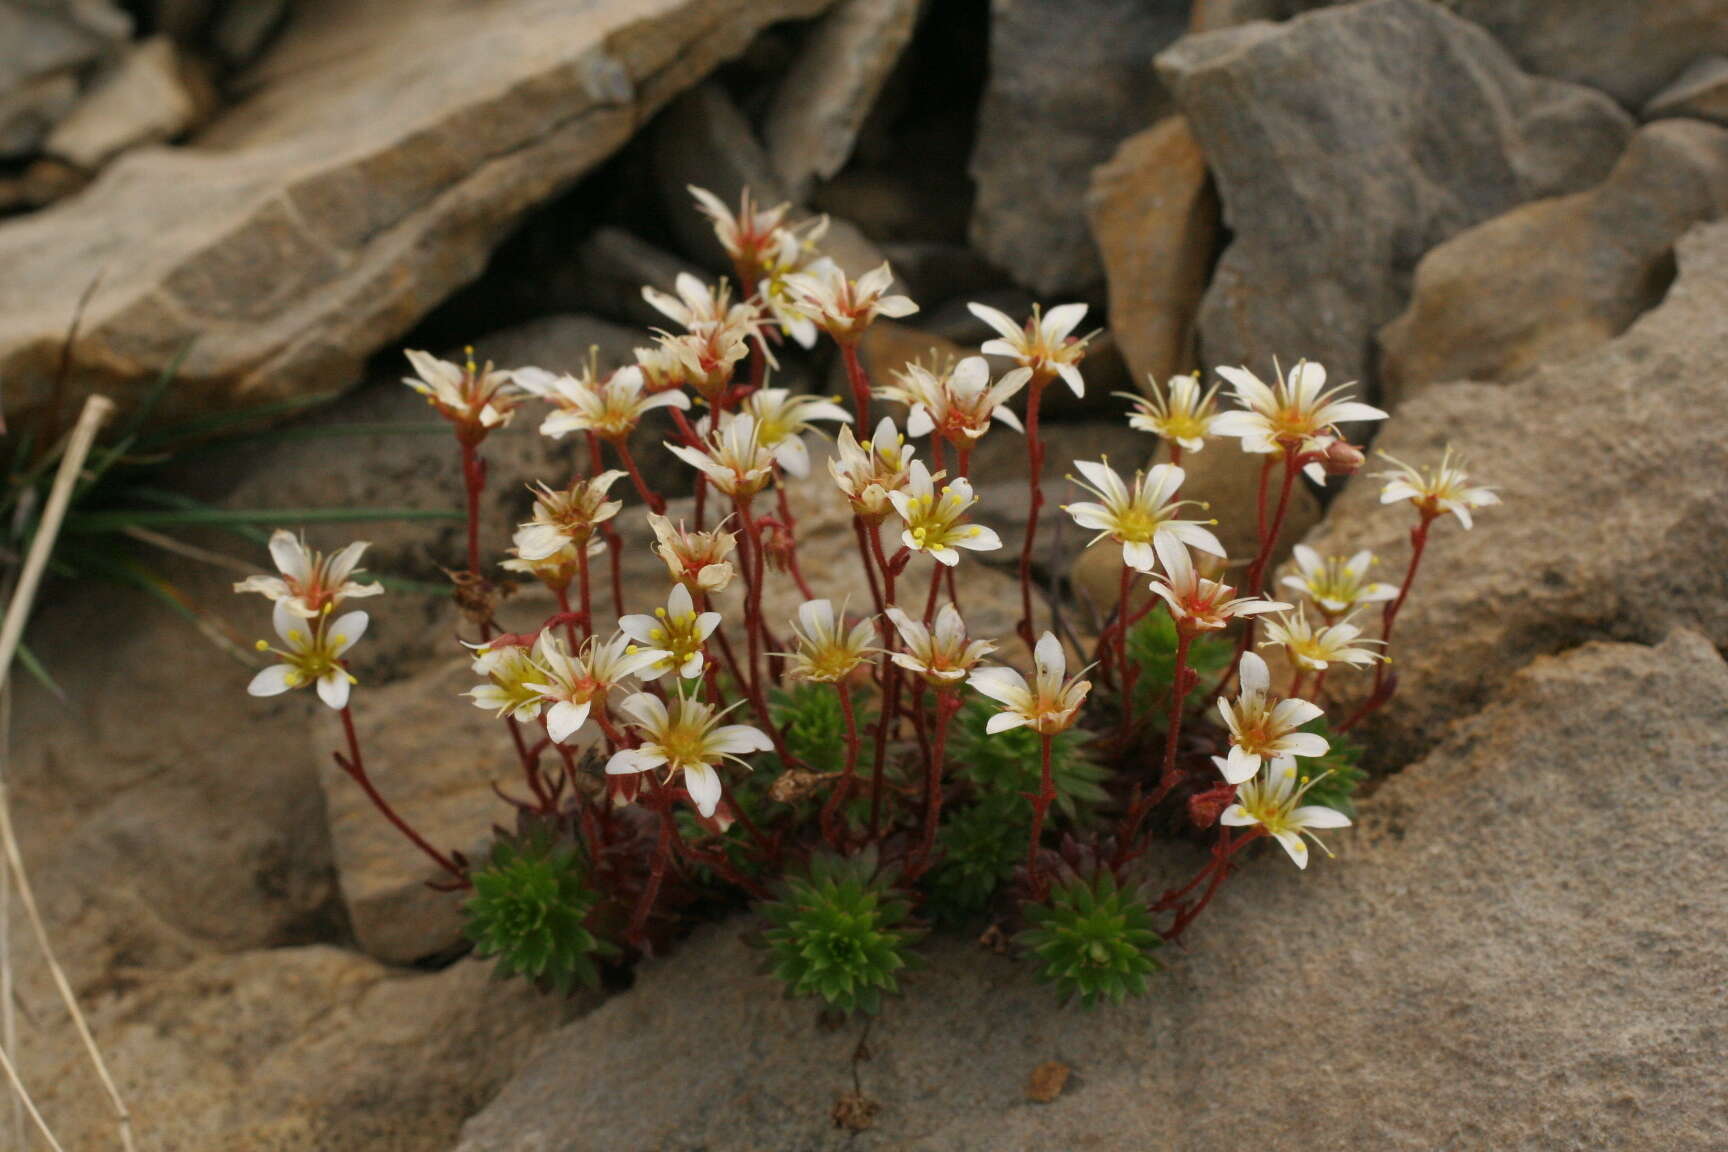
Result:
x=703 y=784
x=333 y=688
x=1003 y=721
x=272 y=681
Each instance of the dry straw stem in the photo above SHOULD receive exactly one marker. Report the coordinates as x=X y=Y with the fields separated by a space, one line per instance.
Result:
x=97 y=409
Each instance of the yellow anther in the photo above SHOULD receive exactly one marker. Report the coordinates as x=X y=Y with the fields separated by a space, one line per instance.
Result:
x=262 y=645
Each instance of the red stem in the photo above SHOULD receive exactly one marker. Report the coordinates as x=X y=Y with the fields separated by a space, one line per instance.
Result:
x=1034 y=474
x=355 y=767
x=1040 y=803
x=621 y=445
x=860 y=382
x=947 y=704
x=844 y=785
x=473 y=483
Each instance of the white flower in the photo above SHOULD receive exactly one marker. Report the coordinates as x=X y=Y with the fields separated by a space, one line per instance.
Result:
x=791 y=250
x=1274 y=803
x=1263 y=729
x=959 y=404
x=941 y=655
x=1334 y=583
x=827 y=649
x=310 y=583
x=841 y=307
x=696 y=560
x=1314 y=649
x=1297 y=413
x=782 y=419
x=573 y=684
x=567 y=517
x=1137 y=514
x=732 y=456
x=1048 y=705
x=1196 y=603
x=610 y=408
x=1045 y=344
x=1445 y=489
x=1180 y=413
x=313 y=654
x=869 y=472
x=479 y=398
x=673 y=635
x=686 y=738
x=513 y=681
x=933 y=522
x=749 y=234
x=699 y=305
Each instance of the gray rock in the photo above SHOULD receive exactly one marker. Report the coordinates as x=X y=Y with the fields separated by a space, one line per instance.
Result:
x=45 y=46
x=1067 y=82
x=611 y=268
x=823 y=100
x=1535 y=903
x=1553 y=279
x=1363 y=136
x=1614 y=478
x=152 y=95
x=1154 y=216
x=1700 y=92
x=365 y=220
x=243 y=29
x=934 y=273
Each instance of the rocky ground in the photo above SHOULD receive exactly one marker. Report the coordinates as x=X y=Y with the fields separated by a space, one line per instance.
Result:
x=1505 y=221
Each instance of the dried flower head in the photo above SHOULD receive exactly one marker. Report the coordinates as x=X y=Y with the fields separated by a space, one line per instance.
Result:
x=867 y=473
x=312 y=654
x=941 y=655
x=1444 y=489
x=843 y=307
x=1314 y=649
x=310 y=583
x=673 y=635
x=934 y=521
x=957 y=404
x=1138 y=513
x=475 y=399
x=1263 y=728
x=1274 y=802
x=697 y=560
x=1048 y=705
x=1336 y=583
x=1297 y=413
x=1045 y=345
x=684 y=736
x=1181 y=412
x=827 y=649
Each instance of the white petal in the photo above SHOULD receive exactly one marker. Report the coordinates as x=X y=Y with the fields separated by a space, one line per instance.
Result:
x=565 y=718
x=1319 y=816
x=703 y=784
x=333 y=688
x=1003 y=721
x=272 y=681
x=1253 y=673
x=1239 y=767
x=289 y=555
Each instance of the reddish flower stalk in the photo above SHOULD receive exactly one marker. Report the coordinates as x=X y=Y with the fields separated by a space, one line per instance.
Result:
x=1035 y=480
x=859 y=381
x=1379 y=693
x=837 y=797
x=890 y=675
x=1040 y=804
x=947 y=704
x=1125 y=677
x=1167 y=775
x=621 y=445
x=657 y=870
x=355 y=767
x=1251 y=584
x=791 y=525
x=473 y=483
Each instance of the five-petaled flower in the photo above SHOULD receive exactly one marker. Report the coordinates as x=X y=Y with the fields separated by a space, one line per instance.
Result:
x=697 y=560
x=1444 y=488
x=311 y=583
x=673 y=635
x=1336 y=584
x=941 y=655
x=473 y=398
x=1262 y=728
x=782 y=417
x=1315 y=649
x=1196 y=603
x=685 y=735
x=1045 y=345
x=958 y=404
x=1181 y=412
x=513 y=680
x=312 y=654
x=827 y=649
x=566 y=517
x=843 y=307
x=1048 y=705
x=732 y=457
x=933 y=521
x=869 y=472
x=1297 y=413
x=1137 y=514
x=1274 y=802
x=609 y=408
x=573 y=684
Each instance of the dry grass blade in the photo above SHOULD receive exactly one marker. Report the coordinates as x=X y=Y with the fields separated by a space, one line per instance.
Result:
x=29 y=1105
x=96 y=410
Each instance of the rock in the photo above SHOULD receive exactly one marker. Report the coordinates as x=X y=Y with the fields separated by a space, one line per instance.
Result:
x=1552 y=279
x=823 y=100
x=1627 y=50
x=1373 y=132
x=611 y=268
x=1612 y=477
x=292 y=1049
x=892 y=206
x=43 y=182
x=151 y=96
x=1494 y=921
x=436 y=758
x=1154 y=216
x=1701 y=92
x=44 y=45
x=243 y=30
x=365 y=221
x=937 y=273
x=1067 y=82
x=889 y=345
